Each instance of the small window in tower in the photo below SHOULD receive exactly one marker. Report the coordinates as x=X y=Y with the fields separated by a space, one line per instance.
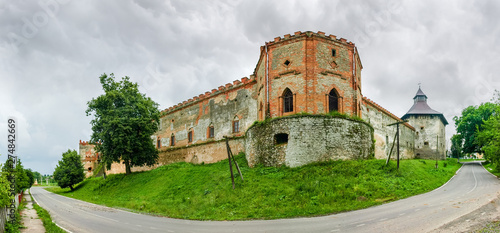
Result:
x=190 y=136
x=426 y=143
x=172 y=140
x=236 y=126
x=334 y=52
x=287 y=63
x=158 y=143
x=211 y=131
x=421 y=127
x=90 y=169
x=280 y=138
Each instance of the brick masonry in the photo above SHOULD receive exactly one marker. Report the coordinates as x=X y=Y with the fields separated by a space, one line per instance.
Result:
x=310 y=65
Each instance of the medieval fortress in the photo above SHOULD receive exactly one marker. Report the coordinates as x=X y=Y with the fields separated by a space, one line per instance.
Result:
x=287 y=113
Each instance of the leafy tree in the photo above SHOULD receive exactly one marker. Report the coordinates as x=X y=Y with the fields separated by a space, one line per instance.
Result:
x=456 y=146
x=22 y=180
x=37 y=176
x=4 y=188
x=31 y=176
x=489 y=136
x=69 y=171
x=124 y=120
x=470 y=123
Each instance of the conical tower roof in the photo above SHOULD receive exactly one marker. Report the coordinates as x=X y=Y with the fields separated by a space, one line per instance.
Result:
x=420 y=107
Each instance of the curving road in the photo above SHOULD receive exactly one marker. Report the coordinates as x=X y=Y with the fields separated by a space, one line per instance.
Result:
x=470 y=189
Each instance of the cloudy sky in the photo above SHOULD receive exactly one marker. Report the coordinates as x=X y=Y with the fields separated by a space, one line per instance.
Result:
x=53 y=51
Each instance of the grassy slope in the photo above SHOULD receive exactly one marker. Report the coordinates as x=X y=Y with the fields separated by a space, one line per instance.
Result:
x=188 y=191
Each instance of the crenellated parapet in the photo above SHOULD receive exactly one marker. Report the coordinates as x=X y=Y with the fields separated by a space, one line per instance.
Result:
x=299 y=34
x=210 y=94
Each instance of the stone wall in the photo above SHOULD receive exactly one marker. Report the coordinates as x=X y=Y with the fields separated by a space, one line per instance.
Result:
x=429 y=136
x=384 y=135
x=301 y=139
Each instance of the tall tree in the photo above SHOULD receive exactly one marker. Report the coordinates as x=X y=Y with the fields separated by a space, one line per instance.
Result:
x=456 y=146
x=470 y=123
x=489 y=136
x=69 y=170
x=124 y=120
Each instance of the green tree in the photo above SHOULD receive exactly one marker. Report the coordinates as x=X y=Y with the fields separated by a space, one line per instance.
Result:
x=124 y=120
x=31 y=176
x=22 y=180
x=456 y=146
x=470 y=123
x=37 y=176
x=69 y=171
x=489 y=136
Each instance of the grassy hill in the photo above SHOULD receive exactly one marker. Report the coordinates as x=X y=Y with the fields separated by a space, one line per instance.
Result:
x=204 y=192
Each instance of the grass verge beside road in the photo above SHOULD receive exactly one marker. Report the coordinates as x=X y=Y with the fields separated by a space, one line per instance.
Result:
x=204 y=192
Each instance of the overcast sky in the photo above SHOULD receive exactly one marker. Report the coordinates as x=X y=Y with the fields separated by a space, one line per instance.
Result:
x=53 y=52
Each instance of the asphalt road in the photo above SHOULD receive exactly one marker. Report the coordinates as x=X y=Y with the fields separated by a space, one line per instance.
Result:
x=470 y=189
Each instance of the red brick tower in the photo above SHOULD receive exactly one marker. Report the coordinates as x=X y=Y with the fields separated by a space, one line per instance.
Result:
x=308 y=72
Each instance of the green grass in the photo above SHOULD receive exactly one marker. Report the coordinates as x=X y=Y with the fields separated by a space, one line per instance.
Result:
x=46 y=219
x=491 y=168
x=204 y=192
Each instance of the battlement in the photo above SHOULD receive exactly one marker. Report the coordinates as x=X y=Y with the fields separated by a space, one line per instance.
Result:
x=300 y=34
x=208 y=94
x=85 y=143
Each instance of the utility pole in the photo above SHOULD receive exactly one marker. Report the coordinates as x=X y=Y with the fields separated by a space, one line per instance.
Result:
x=397 y=138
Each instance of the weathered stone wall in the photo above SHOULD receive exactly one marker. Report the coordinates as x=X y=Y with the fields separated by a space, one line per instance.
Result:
x=301 y=139
x=218 y=109
x=384 y=135
x=88 y=157
x=430 y=136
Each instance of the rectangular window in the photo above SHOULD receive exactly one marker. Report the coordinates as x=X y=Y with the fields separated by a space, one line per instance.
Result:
x=236 y=126
x=158 y=143
x=211 y=132
x=172 y=140
x=190 y=136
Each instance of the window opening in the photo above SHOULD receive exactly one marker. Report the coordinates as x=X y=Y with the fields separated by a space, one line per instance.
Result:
x=158 y=143
x=172 y=140
x=334 y=52
x=287 y=63
x=287 y=100
x=333 y=101
x=190 y=136
x=280 y=138
x=236 y=126
x=211 y=131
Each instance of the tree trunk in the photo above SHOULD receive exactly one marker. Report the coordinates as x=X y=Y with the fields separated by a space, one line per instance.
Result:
x=127 y=167
x=71 y=188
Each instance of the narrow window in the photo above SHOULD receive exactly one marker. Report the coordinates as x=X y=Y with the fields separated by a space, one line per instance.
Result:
x=421 y=127
x=287 y=100
x=190 y=136
x=287 y=63
x=334 y=52
x=211 y=131
x=236 y=126
x=426 y=143
x=280 y=138
x=333 y=101
x=172 y=140
x=158 y=143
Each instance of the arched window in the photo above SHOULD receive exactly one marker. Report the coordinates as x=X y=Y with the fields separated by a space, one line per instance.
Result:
x=287 y=100
x=333 y=101
x=172 y=140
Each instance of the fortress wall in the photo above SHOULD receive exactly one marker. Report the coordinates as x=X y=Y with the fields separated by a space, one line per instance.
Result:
x=218 y=109
x=298 y=140
x=379 y=118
